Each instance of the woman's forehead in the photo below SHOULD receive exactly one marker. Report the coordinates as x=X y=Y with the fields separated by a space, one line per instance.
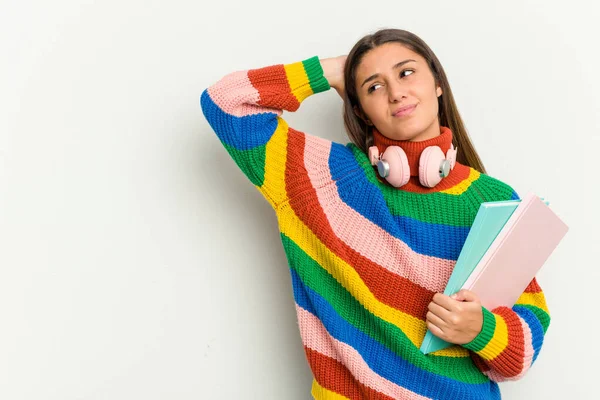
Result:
x=385 y=57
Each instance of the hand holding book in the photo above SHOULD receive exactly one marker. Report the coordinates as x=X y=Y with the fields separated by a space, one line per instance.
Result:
x=456 y=319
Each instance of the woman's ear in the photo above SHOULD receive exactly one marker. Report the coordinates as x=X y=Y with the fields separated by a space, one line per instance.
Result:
x=362 y=115
x=439 y=91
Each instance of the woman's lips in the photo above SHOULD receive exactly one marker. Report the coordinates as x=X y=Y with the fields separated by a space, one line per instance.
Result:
x=404 y=110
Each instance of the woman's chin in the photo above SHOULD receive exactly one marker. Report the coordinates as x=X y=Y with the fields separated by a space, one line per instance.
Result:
x=407 y=134
x=414 y=132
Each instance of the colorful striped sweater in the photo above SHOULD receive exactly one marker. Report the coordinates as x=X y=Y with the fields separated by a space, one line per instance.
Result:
x=366 y=258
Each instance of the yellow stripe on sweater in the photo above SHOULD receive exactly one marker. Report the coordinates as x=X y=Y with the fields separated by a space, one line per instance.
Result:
x=464 y=185
x=498 y=342
x=320 y=393
x=414 y=328
x=273 y=187
x=298 y=81
x=534 y=299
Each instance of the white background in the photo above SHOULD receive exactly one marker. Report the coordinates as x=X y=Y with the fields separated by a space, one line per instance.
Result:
x=137 y=262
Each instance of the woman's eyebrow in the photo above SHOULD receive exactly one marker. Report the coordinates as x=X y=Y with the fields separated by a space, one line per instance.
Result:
x=401 y=63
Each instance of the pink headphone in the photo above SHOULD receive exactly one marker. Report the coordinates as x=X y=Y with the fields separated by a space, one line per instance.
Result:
x=433 y=166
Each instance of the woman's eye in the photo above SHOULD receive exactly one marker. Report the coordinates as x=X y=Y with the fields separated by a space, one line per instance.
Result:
x=404 y=73
x=373 y=87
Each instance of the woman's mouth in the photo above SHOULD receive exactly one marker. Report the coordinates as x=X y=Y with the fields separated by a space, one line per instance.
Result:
x=406 y=110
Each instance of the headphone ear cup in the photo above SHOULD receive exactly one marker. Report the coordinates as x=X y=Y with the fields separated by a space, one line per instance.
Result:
x=429 y=166
x=399 y=170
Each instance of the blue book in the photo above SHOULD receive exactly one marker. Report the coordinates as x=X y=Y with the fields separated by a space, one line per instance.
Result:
x=489 y=221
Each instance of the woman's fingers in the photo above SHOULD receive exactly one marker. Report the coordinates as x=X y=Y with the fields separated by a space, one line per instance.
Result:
x=436 y=330
x=439 y=311
x=437 y=321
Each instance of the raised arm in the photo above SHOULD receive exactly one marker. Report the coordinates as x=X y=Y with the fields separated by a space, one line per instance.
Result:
x=244 y=109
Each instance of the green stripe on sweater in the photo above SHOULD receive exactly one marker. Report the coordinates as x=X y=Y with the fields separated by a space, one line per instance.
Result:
x=318 y=83
x=251 y=162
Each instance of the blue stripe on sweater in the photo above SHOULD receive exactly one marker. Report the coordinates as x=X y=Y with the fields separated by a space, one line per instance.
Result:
x=367 y=199
x=242 y=133
x=426 y=238
x=537 y=330
x=382 y=360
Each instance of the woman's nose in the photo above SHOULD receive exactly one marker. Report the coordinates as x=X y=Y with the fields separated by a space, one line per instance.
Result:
x=396 y=92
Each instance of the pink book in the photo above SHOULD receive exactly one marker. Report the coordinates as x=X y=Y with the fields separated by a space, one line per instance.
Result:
x=521 y=248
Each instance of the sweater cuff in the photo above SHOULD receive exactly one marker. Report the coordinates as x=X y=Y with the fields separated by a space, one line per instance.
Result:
x=314 y=71
x=306 y=78
x=484 y=338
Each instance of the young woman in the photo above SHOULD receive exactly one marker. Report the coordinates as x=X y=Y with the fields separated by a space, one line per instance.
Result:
x=373 y=228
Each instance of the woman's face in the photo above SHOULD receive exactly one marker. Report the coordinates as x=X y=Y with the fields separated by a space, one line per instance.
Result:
x=398 y=93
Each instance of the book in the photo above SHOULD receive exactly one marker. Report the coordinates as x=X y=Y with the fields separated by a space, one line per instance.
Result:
x=507 y=244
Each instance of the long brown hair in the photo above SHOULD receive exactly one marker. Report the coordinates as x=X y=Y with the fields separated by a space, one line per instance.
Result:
x=360 y=133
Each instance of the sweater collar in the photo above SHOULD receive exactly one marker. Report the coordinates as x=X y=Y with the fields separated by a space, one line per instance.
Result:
x=413 y=150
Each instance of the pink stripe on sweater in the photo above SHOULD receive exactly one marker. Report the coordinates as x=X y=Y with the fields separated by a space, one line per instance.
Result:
x=235 y=95
x=315 y=336
x=364 y=236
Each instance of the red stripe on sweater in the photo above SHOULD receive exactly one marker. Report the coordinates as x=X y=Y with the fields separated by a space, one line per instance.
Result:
x=387 y=287
x=533 y=287
x=334 y=376
x=514 y=353
x=271 y=82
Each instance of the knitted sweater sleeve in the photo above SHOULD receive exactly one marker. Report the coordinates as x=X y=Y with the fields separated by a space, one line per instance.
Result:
x=511 y=338
x=244 y=109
